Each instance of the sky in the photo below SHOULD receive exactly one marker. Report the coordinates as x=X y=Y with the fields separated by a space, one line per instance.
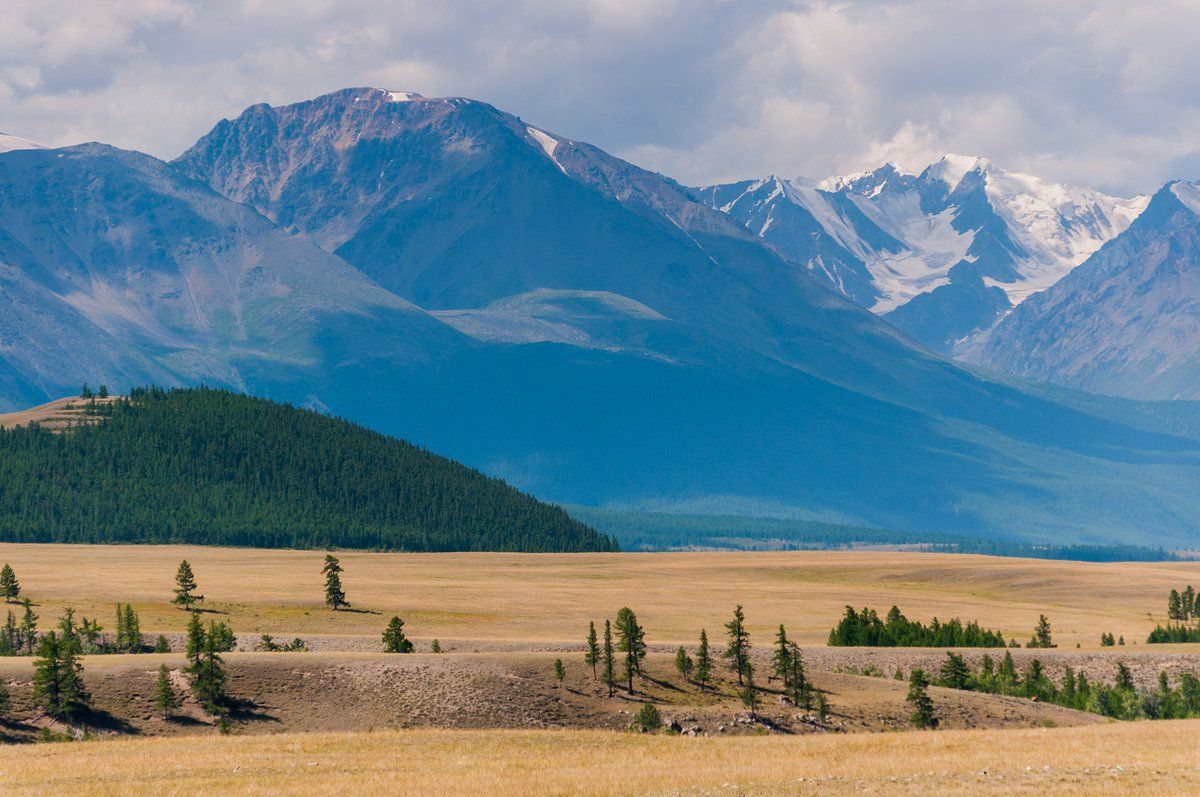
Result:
x=1102 y=94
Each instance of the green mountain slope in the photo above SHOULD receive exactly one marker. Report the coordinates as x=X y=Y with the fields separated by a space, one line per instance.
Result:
x=212 y=467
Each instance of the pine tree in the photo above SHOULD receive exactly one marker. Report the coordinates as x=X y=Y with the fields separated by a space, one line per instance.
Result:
x=165 y=699
x=103 y=392
x=559 y=671
x=195 y=638
x=133 y=630
x=58 y=678
x=28 y=626
x=608 y=657
x=955 y=673
x=923 y=715
x=207 y=672
x=749 y=692
x=801 y=693
x=161 y=645
x=631 y=640
x=781 y=660
x=1041 y=635
x=738 y=651
x=394 y=640
x=1188 y=603
x=119 y=635
x=683 y=663
x=703 y=660
x=435 y=647
x=1174 y=606
x=5 y=700
x=591 y=655
x=10 y=588
x=335 y=598
x=185 y=587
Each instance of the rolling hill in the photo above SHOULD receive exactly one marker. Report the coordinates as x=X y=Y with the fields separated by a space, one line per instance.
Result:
x=213 y=467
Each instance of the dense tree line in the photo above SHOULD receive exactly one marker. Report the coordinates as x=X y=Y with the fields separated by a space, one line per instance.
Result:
x=1121 y=699
x=213 y=467
x=865 y=629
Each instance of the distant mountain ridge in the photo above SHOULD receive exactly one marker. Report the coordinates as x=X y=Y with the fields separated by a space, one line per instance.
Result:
x=587 y=330
x=942 y=254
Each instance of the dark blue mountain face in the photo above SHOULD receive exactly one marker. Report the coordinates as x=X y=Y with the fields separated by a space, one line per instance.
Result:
x=586 y=329
x=1126 y=322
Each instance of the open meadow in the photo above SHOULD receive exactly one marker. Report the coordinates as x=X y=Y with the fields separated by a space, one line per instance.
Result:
x=345 y=712
x=521 y=600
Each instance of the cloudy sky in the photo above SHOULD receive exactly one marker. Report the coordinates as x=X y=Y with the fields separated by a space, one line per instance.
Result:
x=1101 y=93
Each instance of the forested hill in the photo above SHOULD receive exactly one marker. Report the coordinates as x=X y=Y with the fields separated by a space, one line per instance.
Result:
x=213 y=467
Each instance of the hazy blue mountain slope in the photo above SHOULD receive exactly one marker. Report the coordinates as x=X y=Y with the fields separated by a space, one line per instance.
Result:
x=122 y=270
x=1126 y=322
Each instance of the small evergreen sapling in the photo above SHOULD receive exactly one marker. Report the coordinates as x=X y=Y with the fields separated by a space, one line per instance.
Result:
x=648 y=718
x=684 y=664
x=394 y=640
x=560 y=672
x=435 y=647
x=161 y=645
x=166 y=701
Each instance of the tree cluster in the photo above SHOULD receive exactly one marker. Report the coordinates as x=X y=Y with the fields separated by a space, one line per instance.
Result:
x=866 y=629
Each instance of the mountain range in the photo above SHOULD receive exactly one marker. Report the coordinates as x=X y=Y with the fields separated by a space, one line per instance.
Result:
x=592 y=332
x=943 y=254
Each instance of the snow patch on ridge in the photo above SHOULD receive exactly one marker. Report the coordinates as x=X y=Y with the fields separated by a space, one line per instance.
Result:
x=1188 y=194
x=403 y=96
x=10 y=143
x=548 y=144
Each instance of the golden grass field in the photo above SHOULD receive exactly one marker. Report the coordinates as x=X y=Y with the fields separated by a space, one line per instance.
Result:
x=1130 y=758
x=464 y=722
x=549 y=598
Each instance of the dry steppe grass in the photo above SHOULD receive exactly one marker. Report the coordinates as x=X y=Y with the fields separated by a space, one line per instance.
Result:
x=1129 y=758
x=548 y=599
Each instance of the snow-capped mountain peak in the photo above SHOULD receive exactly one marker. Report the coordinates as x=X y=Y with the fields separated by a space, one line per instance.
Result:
x=944 y=253
x=951 y=169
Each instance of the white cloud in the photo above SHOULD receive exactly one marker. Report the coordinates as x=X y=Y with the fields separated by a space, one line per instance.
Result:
x=1100 y=93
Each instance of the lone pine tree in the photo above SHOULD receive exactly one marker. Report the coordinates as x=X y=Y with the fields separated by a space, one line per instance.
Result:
x=10 y=588
x=591 y=654
x=394 y=640
x=738 y=651
x=703 y=660
x=185 y=587
x=560 y=672
x=1041 y=634
x=335 y=598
